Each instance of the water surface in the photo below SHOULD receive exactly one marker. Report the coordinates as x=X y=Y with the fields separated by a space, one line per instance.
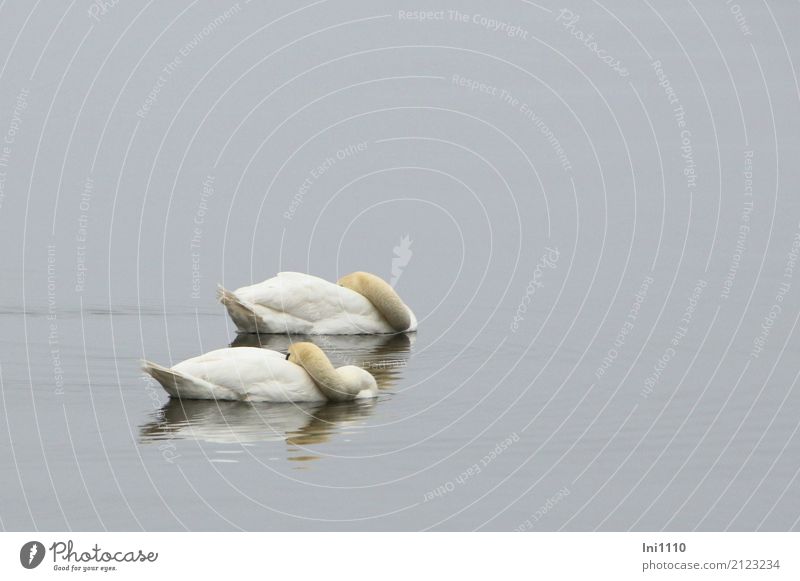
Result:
x=604 y=265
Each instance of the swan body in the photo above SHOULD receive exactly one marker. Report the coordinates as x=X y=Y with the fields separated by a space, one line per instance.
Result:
x=260 y=375
x=292 y=302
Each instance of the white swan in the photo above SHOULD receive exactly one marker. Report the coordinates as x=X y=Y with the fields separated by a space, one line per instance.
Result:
x=292 y=302
x=256 y=375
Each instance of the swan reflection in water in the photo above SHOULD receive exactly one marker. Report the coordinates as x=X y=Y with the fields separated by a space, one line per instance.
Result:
x=299 y=425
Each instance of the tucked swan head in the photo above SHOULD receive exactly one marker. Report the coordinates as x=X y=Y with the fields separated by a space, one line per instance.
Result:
x=382 y=296
x=342 y=384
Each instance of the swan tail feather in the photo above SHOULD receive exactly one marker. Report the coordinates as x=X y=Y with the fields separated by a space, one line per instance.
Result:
x=182 y=386
x=172 y=381
x=242 y=314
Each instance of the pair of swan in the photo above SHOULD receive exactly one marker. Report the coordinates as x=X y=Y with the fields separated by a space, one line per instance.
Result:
x=360 y=303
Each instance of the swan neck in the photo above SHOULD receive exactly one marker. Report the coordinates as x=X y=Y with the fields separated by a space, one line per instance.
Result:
x=327 y=378
x=382 y=296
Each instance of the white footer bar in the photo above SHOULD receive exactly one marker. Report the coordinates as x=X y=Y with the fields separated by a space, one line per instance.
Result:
x=388 y=556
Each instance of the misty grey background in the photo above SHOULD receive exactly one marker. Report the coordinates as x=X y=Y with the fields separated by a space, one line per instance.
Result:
x=263 y=94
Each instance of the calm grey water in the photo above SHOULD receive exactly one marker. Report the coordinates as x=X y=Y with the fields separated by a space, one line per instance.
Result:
x=592 y=209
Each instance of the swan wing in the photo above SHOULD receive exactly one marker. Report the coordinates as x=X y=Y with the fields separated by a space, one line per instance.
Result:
x=302 y=298
x=254 y=374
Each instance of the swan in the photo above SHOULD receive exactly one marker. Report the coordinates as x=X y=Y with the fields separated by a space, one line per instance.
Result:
x=260 y=375
x=292 y=302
